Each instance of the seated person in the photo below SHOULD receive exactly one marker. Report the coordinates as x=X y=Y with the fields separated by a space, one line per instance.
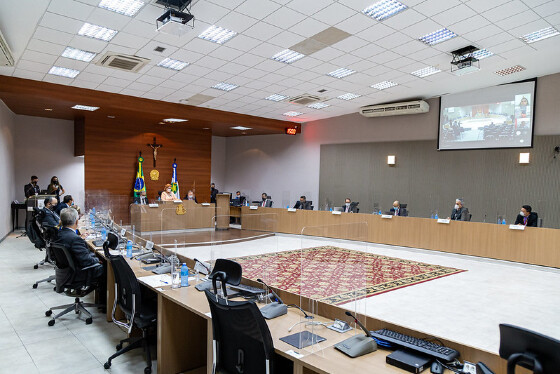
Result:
x=349 y=206
x=213 y=192
x=77 y=246
x=302 y=203
x=167 y=194
x=238 y=200
x=459 y=212
x=67 y=202
x=396 y=210
x=266 y=202
x=142 y=199
x=51 y=219
x=526 y=217
x=190 y=196
x=32 y=188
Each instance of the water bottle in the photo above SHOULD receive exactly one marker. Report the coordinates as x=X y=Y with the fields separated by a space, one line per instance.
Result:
x=288 y=206
x=92 y=221
x=184 y=275
x=436 y=216
x=504 y=221
x=331 y=209
x=432 y=216
x=93 y=210
x=104 y=233
x=129 y=249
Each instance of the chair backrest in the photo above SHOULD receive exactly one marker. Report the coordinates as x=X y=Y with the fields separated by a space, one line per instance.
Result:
x=231 y=269
x=127 y=285
x=62 y=257
x=241 y=335
x=111 y=243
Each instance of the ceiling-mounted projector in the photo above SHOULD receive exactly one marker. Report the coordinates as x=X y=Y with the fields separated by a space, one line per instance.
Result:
x=175 y=20
x=464 y=61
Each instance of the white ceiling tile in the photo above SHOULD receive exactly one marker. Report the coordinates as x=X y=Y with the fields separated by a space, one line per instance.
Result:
x=70 y=8
x=140 y=28
x=350 y=44
x=385 y=57
x=309 y=7
x=289 y=70
x=431 y=7
x=554 y=19
x=481 y=6
x=345 y=60
x=309 y=27
x=39 y=57
x=129 y=40
x=262 y=31
x=158 y=71
x=363 y=66
x=356 y=23
x=132 y=92
x=237 y=22
x=153 y=96
x=226 y=53
x=421 y=28
x=252 y=74
x=393 y=40
x=518 y=20
x=513 y=53
x=208 y=12
x=495 y=40
x=468 y=25
x=116 y=82
x=61 y=23
x=140 y=86
x=507 y=46
x=528 y=28
x=233 y=68
x=482 y=33
x=248 y=59
x=243 y=43
x=547 y=9
x=57 y=79
x=327 y=54
x=258 y=85
x=149 y=13
x=375 y=32
x=504 y=11
x=127 y=75
x=196 y=70
x=109 y=19
x=91 y=77
x=309 y=62
x=409 y=47
x=52 y=36
x=201 y=46
x=452 y=44
x=45 y=47
x=453 y=15
x=368 y=51
x=162 y=90
x=187 y=56
x=284 y=17
x=334 y=14
x=34 y=66
x=266 y=50
x=27 y=74
x=114 y=48
x=404 y=19
x=184 y=78
x=84 y=84
x=286 y=39
x=87 y=44
x=154 y=81
x=258 y=9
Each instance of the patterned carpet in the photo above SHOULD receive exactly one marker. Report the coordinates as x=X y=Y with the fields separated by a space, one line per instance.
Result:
x=336 y=275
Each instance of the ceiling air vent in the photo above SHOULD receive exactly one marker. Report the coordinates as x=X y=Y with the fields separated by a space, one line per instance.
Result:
x=122 y=62
x=305 y=99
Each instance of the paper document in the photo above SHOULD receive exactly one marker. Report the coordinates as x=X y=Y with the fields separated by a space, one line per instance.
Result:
x=157 y=280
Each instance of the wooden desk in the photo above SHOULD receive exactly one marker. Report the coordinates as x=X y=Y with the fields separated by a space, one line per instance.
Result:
x=534 y=245
x=222 y=211
x=164 y=216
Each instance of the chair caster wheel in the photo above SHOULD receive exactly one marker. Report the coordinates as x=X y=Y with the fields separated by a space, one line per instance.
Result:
x=119 y=347
x=148 y=370
x=48 y=313
x=107 y=365
x=35 y=266
x=51 y=322
x=34 y=285
x=89 y=321
x=77 y=311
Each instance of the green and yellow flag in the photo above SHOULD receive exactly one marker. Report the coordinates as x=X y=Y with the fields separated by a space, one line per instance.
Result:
x=139 y=184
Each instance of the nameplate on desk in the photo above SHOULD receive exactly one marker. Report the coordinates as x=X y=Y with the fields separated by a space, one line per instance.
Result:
x=386 y=216
x=443 y=220
x=336 y=212
x=205 y=204
x=149 y=245
x=292 y=209
x=177 y=201
x=517 y=227
x=253 y=207
x=123 y=232
x=153 y=205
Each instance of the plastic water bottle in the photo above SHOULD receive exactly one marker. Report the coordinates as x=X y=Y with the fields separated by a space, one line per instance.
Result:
x=93 y=210
x=184 y=275
x=432 y=216
x=504 y=221
x=331 y=209
x=129 y=249
x=92 y=221
x=436 y=216
x=104 y=233
x=288 y=206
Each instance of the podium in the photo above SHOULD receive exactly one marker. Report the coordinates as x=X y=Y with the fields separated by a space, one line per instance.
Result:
x=222 y=211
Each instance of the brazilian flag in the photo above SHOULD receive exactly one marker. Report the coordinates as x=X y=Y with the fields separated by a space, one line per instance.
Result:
x=139 y=184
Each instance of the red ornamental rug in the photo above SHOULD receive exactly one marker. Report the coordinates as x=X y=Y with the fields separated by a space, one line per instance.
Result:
x=336 y=275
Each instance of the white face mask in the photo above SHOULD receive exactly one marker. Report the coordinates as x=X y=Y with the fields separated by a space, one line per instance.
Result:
x=190 y=196
x=168 y=190
x=456 y=206
x=347 y=204
x=521 y=213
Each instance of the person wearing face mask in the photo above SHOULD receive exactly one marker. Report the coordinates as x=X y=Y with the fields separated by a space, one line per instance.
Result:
x=55 y=188
x=190 y=196
x=265 y=200
x=32 y=188
x=142 y=199
x=527 y=217
x=459 y=212
x=396 y=210
x=167 y=194
x=67 y=202
x=213 y=192
x=238 y=200
x=50 y=218
x=349 y=207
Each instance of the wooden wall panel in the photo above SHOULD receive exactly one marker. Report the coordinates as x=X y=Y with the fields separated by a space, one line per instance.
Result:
x=111 y=152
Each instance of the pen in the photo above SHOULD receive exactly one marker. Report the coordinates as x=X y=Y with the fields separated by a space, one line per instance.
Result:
x=163 y=281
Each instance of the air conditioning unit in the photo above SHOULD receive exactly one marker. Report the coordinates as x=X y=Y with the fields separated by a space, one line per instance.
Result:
x=122 y=62
x=305 y=99
x=395 y=109
x=6 y=58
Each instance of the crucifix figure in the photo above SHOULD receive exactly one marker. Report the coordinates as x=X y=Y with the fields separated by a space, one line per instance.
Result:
x=155 y=147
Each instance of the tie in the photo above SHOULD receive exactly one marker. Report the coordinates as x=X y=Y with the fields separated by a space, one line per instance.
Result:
x=525 y=220
x=396 y=212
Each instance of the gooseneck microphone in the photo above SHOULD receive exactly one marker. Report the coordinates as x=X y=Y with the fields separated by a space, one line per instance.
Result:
x=202 y=264
x=359 y=324
x=276 y=308
x=278 y=299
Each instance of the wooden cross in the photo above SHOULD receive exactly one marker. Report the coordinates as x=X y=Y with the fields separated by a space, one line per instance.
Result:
x=155 y=147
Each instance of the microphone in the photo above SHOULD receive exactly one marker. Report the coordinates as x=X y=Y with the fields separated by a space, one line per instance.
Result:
x=202 y=264
x=278 y=299
x=368 y=334
x=276 y=308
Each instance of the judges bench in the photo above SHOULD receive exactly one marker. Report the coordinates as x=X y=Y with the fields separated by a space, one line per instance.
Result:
x=169 y=215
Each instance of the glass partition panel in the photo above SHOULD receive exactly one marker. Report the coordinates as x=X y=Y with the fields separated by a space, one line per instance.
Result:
x=502 y=212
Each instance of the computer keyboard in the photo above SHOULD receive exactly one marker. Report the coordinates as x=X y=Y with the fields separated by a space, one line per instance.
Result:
x=419 y=345
x=247 y=289
x=98 y=242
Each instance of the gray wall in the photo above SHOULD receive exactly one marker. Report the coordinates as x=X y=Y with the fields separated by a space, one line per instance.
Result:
x=7 y=170
x=491 y=181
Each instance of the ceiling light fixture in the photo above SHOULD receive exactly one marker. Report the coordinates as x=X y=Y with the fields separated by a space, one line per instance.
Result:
x=437 y=36
x=318 y=105
x=85 y=107
x=64 y=72
x=541 y=34
x=276 y=97
x=174 y=120
x=287 y=56
x=384 y=85
x=427 y=71
x=348 y=96
x=169 y=63
x=217 y=34
x=241 y=128
x=341 y=73
x=510 y=70
x=97 y=32
x=78 y=54
x=225 y=86
x=292 y=114
x=126 y=7
x=384 y=9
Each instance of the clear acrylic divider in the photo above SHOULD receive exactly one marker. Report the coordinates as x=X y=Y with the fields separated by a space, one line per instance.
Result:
x=541 y=209
x=332 y=274
x=502 y=212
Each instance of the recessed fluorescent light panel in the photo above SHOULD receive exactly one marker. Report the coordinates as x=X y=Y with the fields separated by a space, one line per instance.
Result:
x=384 y=9
x=174 y=120
x=217 y=34
x=424 y=72
x=341 y=73
x=511 y=70
x=78 y=54
x=482 y=53
x=318 y=105
x=240 y=128
x=292 y=114
x=126 y=7
x=287 y=56
x=97 y=32
x=276 y=97
x=540 y=35
x=64 y=72
x=85 y=107
x=225 y=86
x=173 y=64
x=438 y=36
x=348 y=96
x=383 y=85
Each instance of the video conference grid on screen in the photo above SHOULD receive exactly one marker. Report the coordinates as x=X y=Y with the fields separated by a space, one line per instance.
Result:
x=495 y=117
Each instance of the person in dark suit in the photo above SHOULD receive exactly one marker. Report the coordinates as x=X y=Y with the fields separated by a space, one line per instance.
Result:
x=302 y=203
x=70 y=239
x=142 y=199
x=238 y=200
x=190 y=196
x=266 y=202
x=50 y=219
x=526 y=217
x=67 y=202
x=396 y=210
x=459 y=212
x=213 y=192
x=349 y=206
x=32 y=188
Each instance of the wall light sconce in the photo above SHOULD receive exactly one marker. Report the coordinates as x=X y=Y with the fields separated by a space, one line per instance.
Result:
x=524 y=158
x=391 y=160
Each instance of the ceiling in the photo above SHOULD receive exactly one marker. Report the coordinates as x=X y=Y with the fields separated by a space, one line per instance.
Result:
x=38 y=31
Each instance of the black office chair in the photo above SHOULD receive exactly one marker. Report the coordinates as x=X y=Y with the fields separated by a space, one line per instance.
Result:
x=128 y=297
x=35 y=233
x=73 y=281
x=49 y=235
x=529 y=349
x=241 y=339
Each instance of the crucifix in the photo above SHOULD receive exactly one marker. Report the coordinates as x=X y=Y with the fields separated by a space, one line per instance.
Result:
x=155 y=147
